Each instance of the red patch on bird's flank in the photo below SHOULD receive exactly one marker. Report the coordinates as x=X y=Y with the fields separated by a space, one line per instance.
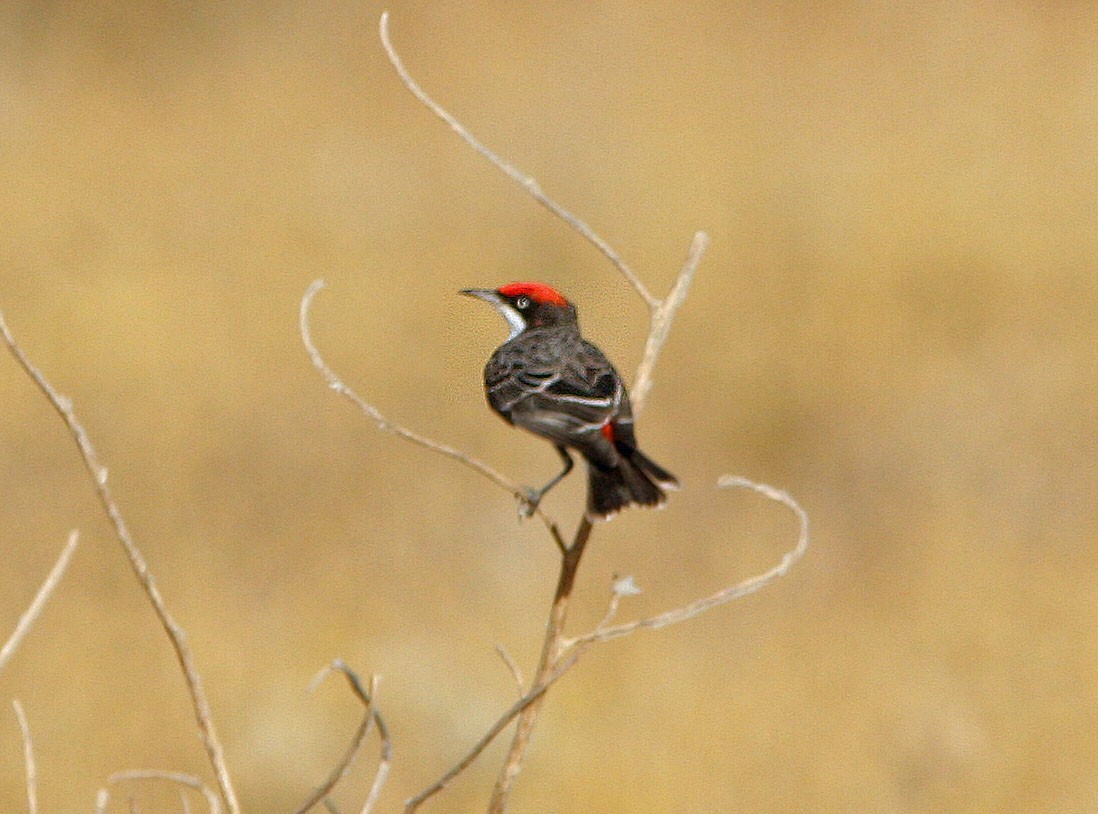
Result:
x=608 y=432
x=538 y=292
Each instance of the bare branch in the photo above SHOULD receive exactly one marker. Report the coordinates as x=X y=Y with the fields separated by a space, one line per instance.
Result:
x=140 y=567
x=548 y=663
x=341 y=769
x=512 y=666
x=551 y=667
x=662 y=317
x=512 y=712
x=525 y=181
x=34 y=610
x=386 y=760
x=565 y=652
x=385 y=425
x=367 y=698
x=569 y=650
x=179 y=778
x=689 y=611
x=28 y=757
x=372 y=716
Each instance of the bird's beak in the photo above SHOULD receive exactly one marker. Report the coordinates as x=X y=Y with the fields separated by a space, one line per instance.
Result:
x=515 y=320
x=486 y=294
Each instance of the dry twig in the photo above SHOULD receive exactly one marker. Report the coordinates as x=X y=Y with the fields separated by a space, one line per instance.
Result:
x=604 y=632
x=176 y=635
x=533 y=695
x=28 y=758
x=525 y=181
x=660 y=323
x=385 y=425
x=512 y=666
x=569 y=650
x=371 y=717
x=179 y=778
x=548 y=663
x=34 y=610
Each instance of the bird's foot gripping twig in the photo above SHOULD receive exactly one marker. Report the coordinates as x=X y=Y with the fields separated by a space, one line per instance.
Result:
x=528 y=502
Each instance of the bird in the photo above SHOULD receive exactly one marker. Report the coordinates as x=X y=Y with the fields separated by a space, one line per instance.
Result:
x=547 y=379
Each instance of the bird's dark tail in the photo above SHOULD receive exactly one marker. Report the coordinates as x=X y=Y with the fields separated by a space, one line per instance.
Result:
x=636 y=480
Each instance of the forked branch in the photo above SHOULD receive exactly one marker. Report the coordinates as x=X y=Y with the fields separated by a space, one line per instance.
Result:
x=371 y=717
x=176 y=635
x=569 y=650
x=660 y=322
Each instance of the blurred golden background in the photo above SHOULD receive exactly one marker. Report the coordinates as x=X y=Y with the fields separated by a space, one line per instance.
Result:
x=895 y=322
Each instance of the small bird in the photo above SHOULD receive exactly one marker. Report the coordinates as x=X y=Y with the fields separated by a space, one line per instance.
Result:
x=548 y=379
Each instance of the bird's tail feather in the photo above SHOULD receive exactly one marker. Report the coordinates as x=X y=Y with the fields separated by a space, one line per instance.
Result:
x=636 y=480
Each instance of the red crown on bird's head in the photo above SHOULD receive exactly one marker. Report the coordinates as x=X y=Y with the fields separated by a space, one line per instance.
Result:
x=538 y=292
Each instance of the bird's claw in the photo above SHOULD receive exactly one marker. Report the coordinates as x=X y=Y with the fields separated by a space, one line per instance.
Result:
x=528 y=503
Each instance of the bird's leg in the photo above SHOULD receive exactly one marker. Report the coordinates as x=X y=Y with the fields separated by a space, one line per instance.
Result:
x=533 y=496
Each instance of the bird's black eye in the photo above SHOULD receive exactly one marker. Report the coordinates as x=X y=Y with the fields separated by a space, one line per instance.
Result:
x=522 y=303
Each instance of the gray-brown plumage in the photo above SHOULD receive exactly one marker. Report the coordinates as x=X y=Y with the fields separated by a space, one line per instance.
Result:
x=551 y=381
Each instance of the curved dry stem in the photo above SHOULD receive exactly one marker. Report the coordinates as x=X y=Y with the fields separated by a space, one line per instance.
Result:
x=140 y=567
x=385 y=425
x=38 y=604
x=386 y=759
x=512 y=666
x=661 y=312
x=29 y=768
x=525 y=181
x=560 y=654
x=371 y=717
x=341 y=768
x=604 y=633
x=179 y=778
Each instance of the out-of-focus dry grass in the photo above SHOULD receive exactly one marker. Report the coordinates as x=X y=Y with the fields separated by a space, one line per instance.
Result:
x=895 y=322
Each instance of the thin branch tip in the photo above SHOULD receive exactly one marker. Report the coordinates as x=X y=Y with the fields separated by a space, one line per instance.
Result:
x=29 y=768
x=603 y=632
x=38 y=604
x=382 y=423
x=527 y=182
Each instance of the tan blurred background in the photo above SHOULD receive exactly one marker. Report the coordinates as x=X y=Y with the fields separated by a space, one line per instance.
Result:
x=895 y=322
